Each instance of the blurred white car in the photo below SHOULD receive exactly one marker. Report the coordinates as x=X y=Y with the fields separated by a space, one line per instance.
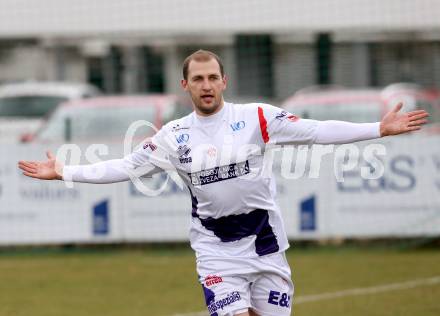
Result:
x=361 y=105
x=106 y=119
x=24 y=105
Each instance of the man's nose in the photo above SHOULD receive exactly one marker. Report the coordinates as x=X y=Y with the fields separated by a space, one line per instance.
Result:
x=206 y=85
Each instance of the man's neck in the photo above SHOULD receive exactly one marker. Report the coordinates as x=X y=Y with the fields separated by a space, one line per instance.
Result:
x=218 y=109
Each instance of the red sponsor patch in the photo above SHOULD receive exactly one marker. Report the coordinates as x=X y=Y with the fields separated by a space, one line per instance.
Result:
x=212 y=279
x=292 y=118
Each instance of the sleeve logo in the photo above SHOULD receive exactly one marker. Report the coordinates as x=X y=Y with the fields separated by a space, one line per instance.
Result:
x=150 y=146
x=286 y=115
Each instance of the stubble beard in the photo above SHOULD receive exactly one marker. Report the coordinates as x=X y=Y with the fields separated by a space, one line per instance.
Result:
x=207 y=110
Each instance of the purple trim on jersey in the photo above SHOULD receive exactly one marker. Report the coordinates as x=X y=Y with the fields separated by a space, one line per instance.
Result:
x=194 y=203
x=209 y=297
x=235 y=227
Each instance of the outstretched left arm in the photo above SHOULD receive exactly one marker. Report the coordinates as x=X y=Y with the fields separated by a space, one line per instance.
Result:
x=393 y=123
x=282 y=128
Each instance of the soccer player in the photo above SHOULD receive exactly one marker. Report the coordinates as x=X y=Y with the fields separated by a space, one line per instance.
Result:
x=236 y=230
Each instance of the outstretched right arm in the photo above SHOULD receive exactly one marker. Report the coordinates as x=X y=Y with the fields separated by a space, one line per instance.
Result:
x=151 y=158
x=110 y=171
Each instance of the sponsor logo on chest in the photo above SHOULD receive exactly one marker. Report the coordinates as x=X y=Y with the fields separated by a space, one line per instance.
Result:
x=238 y=126
x=183 y=151
x=220 y=173
x=182 y=138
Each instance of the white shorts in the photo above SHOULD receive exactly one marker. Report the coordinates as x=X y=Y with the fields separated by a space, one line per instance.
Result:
x=232 y=286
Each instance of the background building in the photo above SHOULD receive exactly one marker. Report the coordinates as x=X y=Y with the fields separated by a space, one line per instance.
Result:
x=269 y=49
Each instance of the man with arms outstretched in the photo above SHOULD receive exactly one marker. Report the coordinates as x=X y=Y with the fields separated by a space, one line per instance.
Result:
x=236 y=230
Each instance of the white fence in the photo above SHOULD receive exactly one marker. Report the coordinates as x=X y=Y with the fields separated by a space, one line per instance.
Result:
x=404 y=202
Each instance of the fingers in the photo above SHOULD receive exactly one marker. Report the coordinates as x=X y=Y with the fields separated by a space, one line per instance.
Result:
x=28 y=165
x=413 y=128
x=28 y=169
x=419 y=112
x=417 y=122
x=398 y=107
x=418 y=116
x=32 y=175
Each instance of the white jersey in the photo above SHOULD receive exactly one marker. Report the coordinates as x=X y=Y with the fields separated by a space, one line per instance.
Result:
x=220 y=159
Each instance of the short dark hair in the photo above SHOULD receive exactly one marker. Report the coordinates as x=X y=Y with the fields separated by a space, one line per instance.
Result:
x=201 y=55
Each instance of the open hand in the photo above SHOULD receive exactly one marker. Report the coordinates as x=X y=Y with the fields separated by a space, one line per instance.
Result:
x=44 y=170
x=394 y=123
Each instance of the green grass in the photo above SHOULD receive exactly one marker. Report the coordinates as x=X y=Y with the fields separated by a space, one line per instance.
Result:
x=163 y=282
x=322 y=272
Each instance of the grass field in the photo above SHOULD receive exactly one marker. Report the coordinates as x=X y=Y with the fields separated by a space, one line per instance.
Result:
x=163 y=281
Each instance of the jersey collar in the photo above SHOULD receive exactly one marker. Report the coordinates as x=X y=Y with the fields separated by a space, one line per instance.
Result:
x=217 y=117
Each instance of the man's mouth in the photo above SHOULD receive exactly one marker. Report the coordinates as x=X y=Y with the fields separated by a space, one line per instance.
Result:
x=207 y=98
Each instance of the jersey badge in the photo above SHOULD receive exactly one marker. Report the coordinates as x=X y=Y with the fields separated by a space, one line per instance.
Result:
x=238 y=126
x=183 y=152
x=212 y=152
x=182 y=138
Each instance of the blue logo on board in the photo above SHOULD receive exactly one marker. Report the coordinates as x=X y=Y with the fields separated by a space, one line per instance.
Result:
x=308 y=214
x=101 y=218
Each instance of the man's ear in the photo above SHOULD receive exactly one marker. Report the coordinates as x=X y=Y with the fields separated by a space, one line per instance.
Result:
x=184 y=84
x=225 y=82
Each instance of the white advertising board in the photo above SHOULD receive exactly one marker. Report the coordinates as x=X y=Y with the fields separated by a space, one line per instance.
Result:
x=405 y=201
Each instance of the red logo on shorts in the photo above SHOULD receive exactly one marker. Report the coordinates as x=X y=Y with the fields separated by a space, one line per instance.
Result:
x=213 y=279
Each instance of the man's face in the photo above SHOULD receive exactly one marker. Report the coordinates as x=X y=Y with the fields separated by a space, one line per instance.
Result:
x=205 y=84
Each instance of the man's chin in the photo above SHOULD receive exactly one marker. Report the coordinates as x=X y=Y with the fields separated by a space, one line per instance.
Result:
x=208 y=108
